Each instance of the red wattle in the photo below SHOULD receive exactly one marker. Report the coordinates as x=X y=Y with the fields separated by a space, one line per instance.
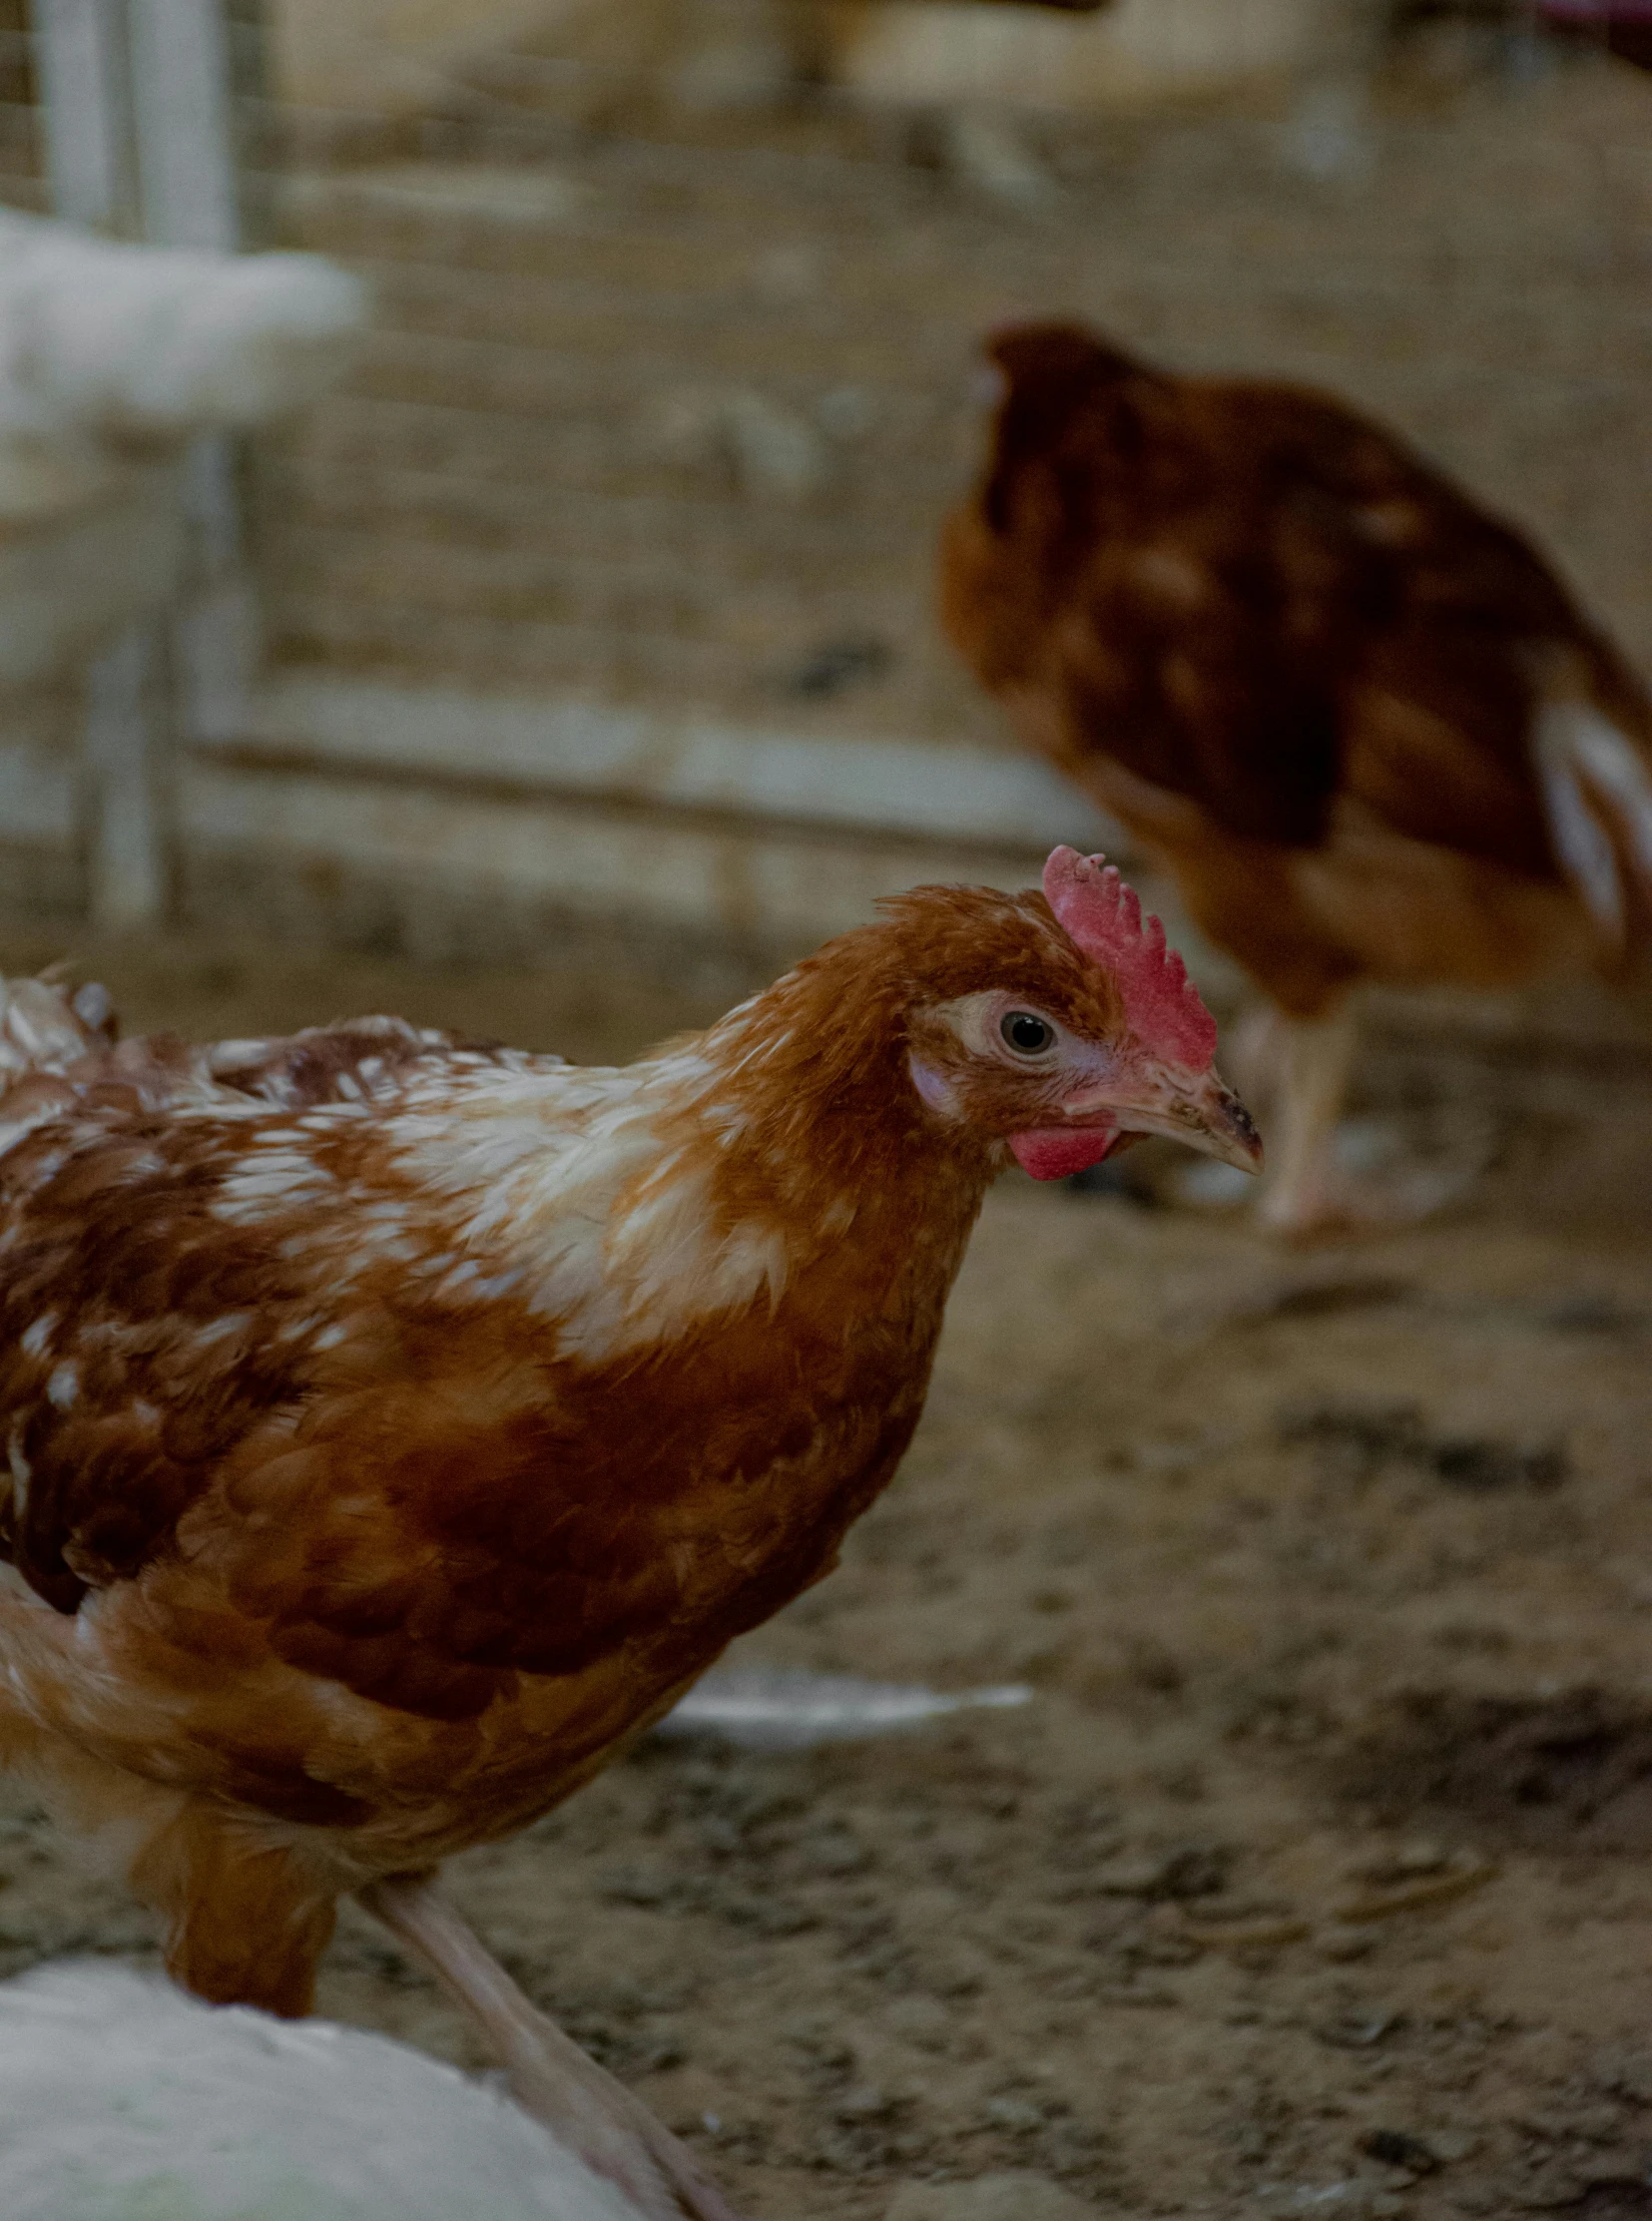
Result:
x=1056 y=1152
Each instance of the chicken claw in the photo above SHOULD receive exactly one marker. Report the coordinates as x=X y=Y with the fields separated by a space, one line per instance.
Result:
x=549 y=2076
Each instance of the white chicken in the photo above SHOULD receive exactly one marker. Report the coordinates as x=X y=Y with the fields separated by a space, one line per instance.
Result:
x=121 y=2099
x=112 y=358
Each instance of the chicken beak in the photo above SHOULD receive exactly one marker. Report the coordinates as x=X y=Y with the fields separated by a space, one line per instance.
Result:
x=1198 y=1109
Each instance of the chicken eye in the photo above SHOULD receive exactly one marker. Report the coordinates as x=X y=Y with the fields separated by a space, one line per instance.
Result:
x=1027 y=1033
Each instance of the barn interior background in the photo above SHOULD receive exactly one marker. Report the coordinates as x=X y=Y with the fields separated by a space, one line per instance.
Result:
x=571 y=664
x=595 y=607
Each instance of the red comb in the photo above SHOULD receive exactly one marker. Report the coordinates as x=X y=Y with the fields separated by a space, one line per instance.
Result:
x=1105 y=918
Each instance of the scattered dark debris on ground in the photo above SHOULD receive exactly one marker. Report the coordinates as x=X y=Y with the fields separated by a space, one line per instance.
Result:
x=1571 y=1771
x=1356 y=1441
x=836 y=665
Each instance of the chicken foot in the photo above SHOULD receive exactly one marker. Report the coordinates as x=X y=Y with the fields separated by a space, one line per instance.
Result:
x=549 y=2076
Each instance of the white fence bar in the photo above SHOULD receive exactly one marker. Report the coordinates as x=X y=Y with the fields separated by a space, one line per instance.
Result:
x=180 y=62
x=179 y=73
x=125 y=777
x=91 y=161
x=139 y=143
x=81 y=50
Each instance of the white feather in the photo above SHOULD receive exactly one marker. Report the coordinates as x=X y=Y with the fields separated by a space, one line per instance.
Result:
x=773 y=1708
x=121 y=2099
x=1598 y=792
x=1617 y=768
x=539 y=1159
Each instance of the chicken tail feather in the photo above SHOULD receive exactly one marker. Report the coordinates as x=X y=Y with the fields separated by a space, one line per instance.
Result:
x=1597 y=791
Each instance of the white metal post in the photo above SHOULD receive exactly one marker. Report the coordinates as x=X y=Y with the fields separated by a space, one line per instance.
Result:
x=126 y=785
x=180 y=70
x=139 y=143
x=91 y=162
x=180 y=62
x=91 y=159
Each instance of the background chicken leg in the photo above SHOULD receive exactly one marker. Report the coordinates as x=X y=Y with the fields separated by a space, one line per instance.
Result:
x=550 y=2076
x=1299 y=1070
x=1311 y=1060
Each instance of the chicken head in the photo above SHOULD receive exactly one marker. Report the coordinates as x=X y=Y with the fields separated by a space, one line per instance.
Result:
x=1095 y=1038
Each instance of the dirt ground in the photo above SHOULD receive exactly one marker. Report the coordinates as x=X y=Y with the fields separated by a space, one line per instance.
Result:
x=1311 y=1881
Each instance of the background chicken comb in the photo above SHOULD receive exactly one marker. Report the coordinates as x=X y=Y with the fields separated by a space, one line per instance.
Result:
x=1104 y=918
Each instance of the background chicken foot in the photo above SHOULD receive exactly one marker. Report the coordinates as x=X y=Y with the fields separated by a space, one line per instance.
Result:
x=550 y=2076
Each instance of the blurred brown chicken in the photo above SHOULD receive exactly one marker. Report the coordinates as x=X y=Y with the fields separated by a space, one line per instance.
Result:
x=1361 y=721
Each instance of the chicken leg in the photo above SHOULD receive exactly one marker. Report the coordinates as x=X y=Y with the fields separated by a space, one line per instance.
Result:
x=1301 y=1069
x=550 y=2076
x=1311 y=1085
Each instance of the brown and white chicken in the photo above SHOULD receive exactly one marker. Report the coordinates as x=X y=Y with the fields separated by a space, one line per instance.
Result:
x=1361 y=722
x=395 y=1425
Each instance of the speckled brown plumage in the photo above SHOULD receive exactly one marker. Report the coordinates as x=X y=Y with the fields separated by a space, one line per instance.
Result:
x=1308 y=671
x=394 y=1425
